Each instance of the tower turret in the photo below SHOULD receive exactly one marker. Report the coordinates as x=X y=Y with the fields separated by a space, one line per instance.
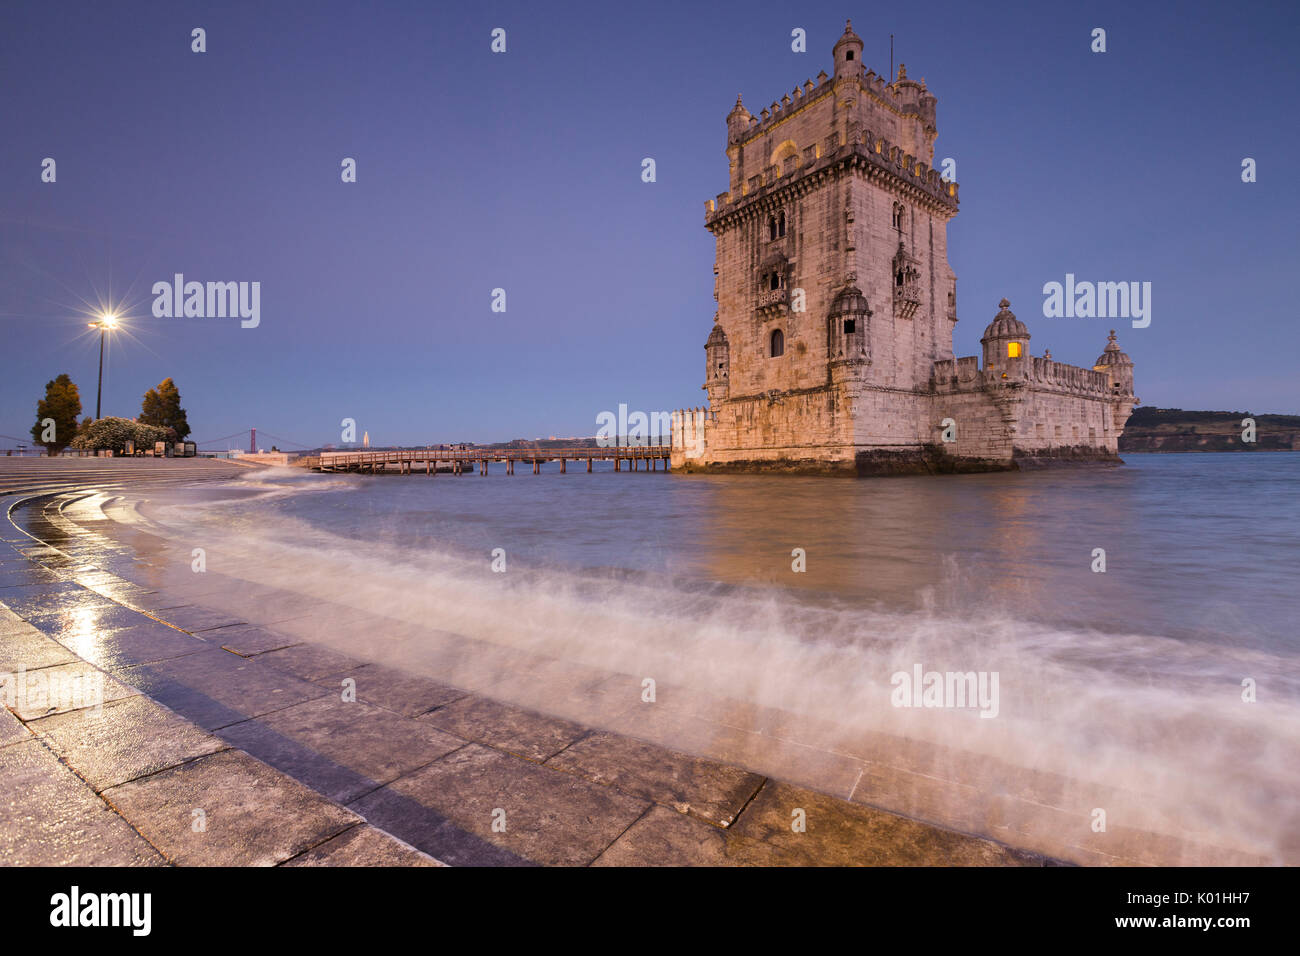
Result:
x=1005 y=340
x=737 y=121
x=848 y=53
x=1117 y=366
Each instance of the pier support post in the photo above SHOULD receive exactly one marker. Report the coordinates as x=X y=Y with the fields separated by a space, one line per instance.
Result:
x=589 y=466
x=616 y=463
x=562 y=464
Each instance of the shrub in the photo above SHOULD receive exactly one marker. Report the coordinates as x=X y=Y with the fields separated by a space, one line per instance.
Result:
x=114 y=433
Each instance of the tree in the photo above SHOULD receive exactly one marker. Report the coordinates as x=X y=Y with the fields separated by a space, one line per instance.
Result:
x=162 y=407
x=56 y=415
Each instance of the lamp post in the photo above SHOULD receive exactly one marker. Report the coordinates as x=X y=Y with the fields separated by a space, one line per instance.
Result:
x=107 y=322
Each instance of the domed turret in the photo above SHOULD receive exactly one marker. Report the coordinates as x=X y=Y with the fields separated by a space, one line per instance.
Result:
x=1005 y=339
x=850 y=301
x=1115 y=362
x=737 y=120
x=848 y=53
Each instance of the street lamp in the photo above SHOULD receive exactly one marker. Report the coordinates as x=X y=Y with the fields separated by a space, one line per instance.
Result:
x=107 y=322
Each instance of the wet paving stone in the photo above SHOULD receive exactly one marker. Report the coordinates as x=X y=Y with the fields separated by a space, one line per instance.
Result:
x=12 y=730
x=248 y=640
x=527 y=733
x=311 y=661
x=341 y=749
x=28 y=599
x=49 y=817
x=215 y=688
x=85 y=621
x=398 y=691
x=193 y=617
x=665 y=837
x=59 y=689
x=128 y=739
x=842 y=834
x=364 y=846
x=713 y=792
x=142 y=643
x=29 y=649
x=550 y=818
x=251 y=814
x=26 y=577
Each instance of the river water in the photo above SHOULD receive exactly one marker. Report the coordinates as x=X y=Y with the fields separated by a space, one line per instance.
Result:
x=1169 y=677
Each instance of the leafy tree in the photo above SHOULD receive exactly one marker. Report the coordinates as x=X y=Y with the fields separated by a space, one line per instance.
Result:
x=62 y=403
x=162 y=406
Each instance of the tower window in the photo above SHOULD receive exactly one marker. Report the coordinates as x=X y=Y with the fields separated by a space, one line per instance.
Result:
x=771 y=228
x=849 y=55
x=898 y=216
x=850 y=326
x=898 y=278
x=1013 y=350
x=774 y=281
x=780 y=225
x=778 y=343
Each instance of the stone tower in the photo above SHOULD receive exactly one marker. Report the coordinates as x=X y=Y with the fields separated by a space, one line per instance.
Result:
x=831 y=348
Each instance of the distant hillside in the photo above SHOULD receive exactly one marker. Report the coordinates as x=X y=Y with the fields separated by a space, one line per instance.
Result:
x=1173 y=429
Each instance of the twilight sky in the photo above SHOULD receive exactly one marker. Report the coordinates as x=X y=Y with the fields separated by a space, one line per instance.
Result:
x=522 y=171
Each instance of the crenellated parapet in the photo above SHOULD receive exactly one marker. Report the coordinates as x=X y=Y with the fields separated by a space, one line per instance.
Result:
x=904 y=97
x=690 y=428
x=964 y=374
x=874 y=154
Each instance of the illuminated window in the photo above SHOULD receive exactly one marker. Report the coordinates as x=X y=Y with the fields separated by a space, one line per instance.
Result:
x=1013 y=350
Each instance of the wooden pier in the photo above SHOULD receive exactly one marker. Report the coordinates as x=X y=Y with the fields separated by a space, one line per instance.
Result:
x=407 y=461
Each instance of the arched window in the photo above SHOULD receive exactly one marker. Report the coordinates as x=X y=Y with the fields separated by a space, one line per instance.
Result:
x=849 y=55
x=774 y=281
x=898 y=217
x=771 y=228
x=778 y=343
x=1013 y=350
x=780 y=225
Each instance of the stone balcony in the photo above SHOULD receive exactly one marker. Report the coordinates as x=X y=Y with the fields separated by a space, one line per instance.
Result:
x=773 y=301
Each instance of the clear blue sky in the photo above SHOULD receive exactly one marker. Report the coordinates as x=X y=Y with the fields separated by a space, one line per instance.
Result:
x=522 y=171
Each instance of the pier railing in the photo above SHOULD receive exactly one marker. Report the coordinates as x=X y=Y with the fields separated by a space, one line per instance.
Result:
x=461 y=460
